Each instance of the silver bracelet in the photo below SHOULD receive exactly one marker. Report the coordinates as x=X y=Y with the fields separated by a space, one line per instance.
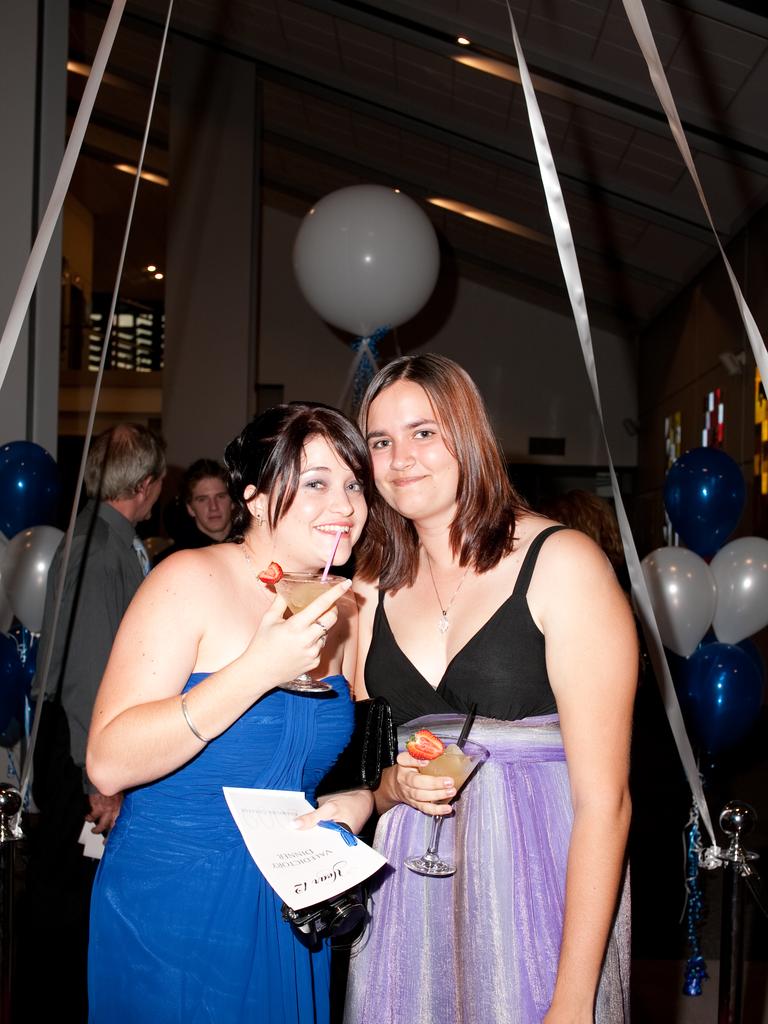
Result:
x=190 y=723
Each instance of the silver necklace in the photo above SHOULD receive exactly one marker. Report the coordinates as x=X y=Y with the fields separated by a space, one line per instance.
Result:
x=251 y=566
x=442 y=622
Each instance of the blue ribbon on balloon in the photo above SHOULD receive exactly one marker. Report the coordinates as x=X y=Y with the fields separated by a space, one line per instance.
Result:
x=14 y=687
x=695 y=967
x=366 y=363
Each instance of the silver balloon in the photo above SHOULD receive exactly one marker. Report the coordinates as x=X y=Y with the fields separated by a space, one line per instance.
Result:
x=366 y=257
x=683 y=596
x=25 y=568
x=6 y=612
x=741 y=574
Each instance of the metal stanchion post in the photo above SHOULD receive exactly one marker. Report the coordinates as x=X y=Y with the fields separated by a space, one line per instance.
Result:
x=10 y=833
x=737 y=819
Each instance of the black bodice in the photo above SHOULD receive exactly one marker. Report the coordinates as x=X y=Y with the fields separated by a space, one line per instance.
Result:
x=502 y=667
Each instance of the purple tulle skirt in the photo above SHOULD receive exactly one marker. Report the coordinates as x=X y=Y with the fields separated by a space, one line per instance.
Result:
x=482 y=946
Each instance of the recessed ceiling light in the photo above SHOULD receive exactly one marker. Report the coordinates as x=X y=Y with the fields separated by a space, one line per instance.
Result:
x=491 y=219
x=463 y=41
x=490 y=66
x=158 y=276
x=151 y=268
x=77 y=68
x=157 y=179
x=397 y=191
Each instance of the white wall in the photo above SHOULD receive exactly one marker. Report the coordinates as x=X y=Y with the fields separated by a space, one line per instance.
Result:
x=526 y=360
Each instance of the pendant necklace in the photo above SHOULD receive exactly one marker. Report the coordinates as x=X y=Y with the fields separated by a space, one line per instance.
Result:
x=442 y=622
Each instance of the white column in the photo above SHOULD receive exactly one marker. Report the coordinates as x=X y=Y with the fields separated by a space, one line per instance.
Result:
x=33 y=55
x=212 y=255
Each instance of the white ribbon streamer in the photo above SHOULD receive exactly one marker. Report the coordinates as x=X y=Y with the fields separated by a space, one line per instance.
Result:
x=569 y=262
x=45 y=668
x=639 y=23
x=40 y=248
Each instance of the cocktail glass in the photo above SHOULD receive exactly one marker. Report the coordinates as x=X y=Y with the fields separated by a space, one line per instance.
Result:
x=457 y=765
x=300 y=589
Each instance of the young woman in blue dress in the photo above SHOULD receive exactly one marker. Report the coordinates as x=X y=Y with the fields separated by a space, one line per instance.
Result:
x=183 y=925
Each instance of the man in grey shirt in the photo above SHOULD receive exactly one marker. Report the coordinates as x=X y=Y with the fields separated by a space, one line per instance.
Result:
x=123 y=477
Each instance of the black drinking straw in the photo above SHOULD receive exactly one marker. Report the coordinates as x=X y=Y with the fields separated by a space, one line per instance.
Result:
x=468 y=723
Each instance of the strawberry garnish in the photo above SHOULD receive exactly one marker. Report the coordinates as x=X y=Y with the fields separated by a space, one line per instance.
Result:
x=271 y=574
x=424 y=745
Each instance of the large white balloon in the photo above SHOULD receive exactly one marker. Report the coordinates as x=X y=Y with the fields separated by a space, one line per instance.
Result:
x=6 y=612
x=25 y=568
x=741 y=574
x=683 y=596
x=366 y=257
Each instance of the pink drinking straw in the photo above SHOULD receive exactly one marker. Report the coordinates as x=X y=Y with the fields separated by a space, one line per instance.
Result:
x=331 y=557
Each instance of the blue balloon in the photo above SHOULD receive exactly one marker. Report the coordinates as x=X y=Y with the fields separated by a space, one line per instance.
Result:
x=704 y=495
x=13 y=682
x=29 y=487
x=721 y=692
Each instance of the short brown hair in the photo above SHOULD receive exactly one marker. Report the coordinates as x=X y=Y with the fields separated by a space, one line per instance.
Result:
x=483 y=531
x=201 y=469
x=267 y=454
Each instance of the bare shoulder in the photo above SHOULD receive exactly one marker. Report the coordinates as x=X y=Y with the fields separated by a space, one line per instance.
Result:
x=190 y=573
x=573 y=577
x=565 y=551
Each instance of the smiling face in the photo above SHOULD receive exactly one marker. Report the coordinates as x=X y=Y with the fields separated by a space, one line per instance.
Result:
x=329 y=500
x=211 y=507
x=414 y=470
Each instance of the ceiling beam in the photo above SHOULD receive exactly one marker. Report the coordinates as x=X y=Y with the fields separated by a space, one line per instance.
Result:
x=423 y=188
x=470 y=139
x=582 y=79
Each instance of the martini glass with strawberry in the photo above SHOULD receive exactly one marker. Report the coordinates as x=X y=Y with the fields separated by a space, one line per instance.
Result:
x=441 y=758
x=300 y=589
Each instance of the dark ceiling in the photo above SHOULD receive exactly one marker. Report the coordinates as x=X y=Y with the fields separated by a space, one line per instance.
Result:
x=356 y=92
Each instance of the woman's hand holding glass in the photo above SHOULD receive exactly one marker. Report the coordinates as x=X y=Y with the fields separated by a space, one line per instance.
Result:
x=423 y=792
x=283 y=648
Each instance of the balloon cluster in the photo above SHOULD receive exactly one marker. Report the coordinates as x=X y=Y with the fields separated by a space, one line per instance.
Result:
x=29 y=496
x=705 y=612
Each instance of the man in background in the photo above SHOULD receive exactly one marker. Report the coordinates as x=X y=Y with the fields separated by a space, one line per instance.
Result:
x=123 y=477
x=202 y=512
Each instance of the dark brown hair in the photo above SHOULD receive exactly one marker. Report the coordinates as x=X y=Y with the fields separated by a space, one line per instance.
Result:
x=268 y=455
x=483 y=531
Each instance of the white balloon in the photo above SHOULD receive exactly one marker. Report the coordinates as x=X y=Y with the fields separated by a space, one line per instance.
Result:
x=741 y=574
x=683 y=596
x=366 y=257
x=6 y=612
x=25 y=572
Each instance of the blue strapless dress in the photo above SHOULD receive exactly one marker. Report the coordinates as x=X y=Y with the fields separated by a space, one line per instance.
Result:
x=184 y=927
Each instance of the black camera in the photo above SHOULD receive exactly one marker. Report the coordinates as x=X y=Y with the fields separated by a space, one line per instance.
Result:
x=333 y=917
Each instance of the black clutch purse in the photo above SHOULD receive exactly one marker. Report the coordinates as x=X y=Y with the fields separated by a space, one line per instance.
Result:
x=371 y=749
